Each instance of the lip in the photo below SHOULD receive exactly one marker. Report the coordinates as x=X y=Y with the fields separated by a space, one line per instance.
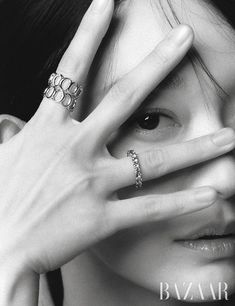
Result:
x=212 y=248
x=220 y=245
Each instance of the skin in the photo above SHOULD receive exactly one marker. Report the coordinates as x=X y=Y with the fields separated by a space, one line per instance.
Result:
x=53 y=210
x=136 y=260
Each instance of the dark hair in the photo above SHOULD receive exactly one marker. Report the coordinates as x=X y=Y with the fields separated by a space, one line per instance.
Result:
x=34 y=35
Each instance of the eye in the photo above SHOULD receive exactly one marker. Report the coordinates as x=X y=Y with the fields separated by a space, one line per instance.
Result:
x=152 y=125
x=148 y=121
x=155 y=119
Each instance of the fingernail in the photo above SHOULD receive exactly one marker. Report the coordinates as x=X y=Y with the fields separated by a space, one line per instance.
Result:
x=224 y=137
x=181 y=34
x=99 y=5
x=206 y=195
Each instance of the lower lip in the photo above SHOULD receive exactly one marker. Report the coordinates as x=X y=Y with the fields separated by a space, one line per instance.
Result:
x=212 y=248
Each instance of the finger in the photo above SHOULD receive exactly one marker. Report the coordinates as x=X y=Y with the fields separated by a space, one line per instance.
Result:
x=77 y=59
x=160 y=161
x=126 y=213
x=128 y=93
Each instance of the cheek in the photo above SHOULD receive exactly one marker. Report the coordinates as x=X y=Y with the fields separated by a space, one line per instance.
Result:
x=134 y=253
x=139 y=254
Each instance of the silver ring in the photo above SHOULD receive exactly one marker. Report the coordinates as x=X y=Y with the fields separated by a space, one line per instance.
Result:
x=63 y=90
x=137 y=168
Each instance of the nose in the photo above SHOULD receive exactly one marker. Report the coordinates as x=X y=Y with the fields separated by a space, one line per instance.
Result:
x=218 y=173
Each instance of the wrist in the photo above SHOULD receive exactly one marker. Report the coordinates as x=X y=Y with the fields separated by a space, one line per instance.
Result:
x=18 y=285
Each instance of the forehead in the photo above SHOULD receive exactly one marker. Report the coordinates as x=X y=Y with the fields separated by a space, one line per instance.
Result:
x=142 y=24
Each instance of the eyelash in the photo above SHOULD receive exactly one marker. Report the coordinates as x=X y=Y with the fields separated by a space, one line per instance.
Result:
x=161 y=112
x=167 y=129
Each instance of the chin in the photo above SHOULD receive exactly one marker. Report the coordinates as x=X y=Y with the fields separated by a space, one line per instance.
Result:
x=186 y=280
x=168 y=270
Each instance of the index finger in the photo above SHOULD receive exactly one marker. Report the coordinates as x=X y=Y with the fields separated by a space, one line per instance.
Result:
x=78 y=57
x=128 y=93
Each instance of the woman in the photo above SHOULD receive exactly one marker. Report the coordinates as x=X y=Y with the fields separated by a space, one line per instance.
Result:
x=66 y=182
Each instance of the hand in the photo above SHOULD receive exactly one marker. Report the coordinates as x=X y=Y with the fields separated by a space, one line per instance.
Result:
x=55 y=200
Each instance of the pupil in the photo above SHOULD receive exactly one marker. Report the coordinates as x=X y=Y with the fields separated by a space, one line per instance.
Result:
x=149 y=121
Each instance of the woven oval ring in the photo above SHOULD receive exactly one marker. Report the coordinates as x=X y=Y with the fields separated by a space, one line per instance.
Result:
x=137 y=168
x=63 y=90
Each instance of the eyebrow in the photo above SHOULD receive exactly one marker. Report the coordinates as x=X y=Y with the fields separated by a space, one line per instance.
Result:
x=173 y=81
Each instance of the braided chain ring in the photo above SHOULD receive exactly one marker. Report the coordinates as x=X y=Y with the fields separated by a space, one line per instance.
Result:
x=136 y=165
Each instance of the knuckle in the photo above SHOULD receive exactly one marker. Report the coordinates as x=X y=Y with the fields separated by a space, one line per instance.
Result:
x=200 y=144
x=161 y=55
x=164 y=52
x=122 y=91
x=88 y=24
x=111 y=223
x=104 y=226
x=179 y=205
x=152 y=209
x=48 y=117
x=66 y=66
x=70 y=64
x=201 y=147
x=155 y=160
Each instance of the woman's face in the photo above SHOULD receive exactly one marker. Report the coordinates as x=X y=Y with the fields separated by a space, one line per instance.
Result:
x=184 y=107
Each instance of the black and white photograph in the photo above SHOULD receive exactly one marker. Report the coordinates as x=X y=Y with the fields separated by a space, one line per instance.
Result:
x=117 y=152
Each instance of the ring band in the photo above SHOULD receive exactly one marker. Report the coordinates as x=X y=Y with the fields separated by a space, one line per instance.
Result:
x=63 y=90
x=136 y=165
